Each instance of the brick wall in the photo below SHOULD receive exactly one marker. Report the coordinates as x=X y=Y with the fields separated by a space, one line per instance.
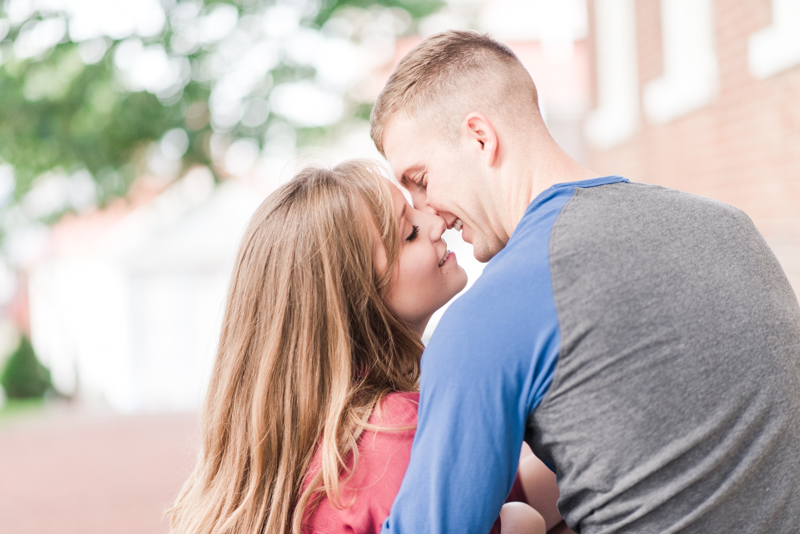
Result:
x=742 y=147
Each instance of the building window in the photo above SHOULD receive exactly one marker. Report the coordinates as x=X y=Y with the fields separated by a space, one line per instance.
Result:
x=691 y=72
x=617 y=115
x=776 y=48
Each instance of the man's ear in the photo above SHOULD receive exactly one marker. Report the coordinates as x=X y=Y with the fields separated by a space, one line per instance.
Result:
x=481 y=135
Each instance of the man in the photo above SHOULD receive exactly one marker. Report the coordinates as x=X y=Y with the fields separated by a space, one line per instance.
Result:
x=644 y=342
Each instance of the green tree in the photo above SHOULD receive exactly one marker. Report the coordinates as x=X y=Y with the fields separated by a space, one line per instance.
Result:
x=68 y=105
x=24 y=377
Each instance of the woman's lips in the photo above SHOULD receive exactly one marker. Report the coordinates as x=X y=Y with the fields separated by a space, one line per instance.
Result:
x=448 y=255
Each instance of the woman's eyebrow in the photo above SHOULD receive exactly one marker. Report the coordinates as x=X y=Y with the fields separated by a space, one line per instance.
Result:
x=401 y=219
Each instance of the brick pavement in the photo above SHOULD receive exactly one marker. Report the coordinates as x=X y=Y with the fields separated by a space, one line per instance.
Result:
x=82 y=472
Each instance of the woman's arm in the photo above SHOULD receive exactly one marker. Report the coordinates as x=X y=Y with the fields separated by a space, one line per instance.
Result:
x=519 y=518
x=540 y=488
x=539 y=483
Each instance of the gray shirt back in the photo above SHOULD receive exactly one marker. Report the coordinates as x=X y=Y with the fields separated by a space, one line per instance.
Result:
x=675 y=404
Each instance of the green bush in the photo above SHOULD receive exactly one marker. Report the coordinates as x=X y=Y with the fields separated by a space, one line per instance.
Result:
x=24 y=377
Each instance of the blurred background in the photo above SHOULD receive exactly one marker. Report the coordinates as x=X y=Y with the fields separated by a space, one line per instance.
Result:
x=138 y=136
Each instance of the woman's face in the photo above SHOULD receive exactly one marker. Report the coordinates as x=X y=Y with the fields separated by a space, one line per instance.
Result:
x=427 y=275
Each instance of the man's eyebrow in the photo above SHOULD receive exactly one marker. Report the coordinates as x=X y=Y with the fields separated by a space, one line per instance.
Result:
x=404 y=178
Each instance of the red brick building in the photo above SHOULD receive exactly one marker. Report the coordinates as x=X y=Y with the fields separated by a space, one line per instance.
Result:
x=703 y=96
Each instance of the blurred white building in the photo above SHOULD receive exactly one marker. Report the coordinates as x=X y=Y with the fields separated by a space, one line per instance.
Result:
x=131 y=317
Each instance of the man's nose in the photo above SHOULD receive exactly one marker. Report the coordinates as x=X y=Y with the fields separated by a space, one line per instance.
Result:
x=434 y=226
x=440 y=226
x=421 y=203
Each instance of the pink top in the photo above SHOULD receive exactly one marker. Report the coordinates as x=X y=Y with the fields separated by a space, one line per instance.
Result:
x=382 y=462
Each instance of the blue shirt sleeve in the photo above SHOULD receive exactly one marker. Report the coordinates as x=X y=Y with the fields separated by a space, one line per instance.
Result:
x=486 y=369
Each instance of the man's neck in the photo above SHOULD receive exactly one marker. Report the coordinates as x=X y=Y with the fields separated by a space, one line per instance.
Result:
x=534 y=172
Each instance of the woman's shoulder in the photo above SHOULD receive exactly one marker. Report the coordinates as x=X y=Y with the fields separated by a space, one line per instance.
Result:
x=396 y=409
x=384 y=450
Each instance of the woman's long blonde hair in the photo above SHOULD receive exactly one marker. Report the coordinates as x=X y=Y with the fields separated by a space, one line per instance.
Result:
x=307 y=349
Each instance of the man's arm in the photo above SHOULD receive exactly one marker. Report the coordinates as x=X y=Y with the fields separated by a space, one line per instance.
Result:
x=484 y=371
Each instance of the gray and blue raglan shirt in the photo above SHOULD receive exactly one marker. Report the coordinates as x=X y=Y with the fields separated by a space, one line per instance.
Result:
x=646 y=343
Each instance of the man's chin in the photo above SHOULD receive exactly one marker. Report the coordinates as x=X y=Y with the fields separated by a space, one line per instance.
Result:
x=482 y=252
x=481 y=248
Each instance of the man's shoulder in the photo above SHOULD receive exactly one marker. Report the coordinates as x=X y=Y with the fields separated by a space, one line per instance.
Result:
x=508 y=286
x=632 y=211
x=507 y=306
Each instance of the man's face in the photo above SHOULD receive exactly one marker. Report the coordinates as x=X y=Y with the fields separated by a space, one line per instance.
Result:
x=443 y=179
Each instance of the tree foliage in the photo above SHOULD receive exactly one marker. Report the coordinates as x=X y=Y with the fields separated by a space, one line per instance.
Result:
x=61 y=112
x=24 y=377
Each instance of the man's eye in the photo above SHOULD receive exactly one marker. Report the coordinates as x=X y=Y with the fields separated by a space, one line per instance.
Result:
x=414 y=233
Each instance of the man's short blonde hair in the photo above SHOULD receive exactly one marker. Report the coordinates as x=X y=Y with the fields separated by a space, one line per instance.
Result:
x=450 y=74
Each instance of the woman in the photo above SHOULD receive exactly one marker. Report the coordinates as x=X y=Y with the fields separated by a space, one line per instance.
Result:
x=309 y=415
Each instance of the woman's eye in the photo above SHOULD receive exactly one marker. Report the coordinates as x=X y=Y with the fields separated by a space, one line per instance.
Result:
x=414 y=233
